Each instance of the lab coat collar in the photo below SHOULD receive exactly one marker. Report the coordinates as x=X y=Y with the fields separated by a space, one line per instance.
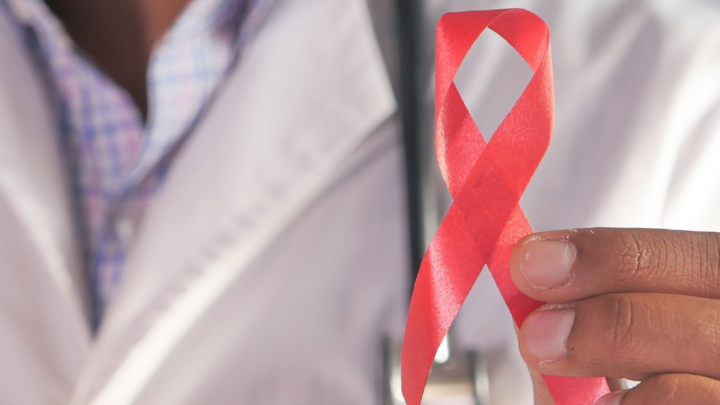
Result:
x=309 y=88
x=42 y=287
x=33 y=175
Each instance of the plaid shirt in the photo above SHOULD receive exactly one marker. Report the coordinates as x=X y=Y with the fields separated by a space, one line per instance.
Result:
x=118 y=161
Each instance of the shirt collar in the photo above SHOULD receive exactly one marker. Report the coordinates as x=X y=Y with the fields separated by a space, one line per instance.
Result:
x=21 y=10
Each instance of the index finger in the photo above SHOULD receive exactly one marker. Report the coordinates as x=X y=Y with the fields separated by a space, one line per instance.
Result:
x=565 y=266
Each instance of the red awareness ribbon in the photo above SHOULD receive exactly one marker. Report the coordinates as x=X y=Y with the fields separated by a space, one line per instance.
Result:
x=486 y=181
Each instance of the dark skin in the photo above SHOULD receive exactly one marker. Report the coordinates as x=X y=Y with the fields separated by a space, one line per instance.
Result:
x=642 y=304
x=118 y=36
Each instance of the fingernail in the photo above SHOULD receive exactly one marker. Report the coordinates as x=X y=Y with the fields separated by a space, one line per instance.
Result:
x=547 y=263
x=545 y=333
x=613 y=398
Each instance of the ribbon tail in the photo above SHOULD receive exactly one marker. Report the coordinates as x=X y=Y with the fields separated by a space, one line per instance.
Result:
x=448 y=271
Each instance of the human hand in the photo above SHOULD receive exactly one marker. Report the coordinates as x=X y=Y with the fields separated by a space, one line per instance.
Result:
x=624 y=303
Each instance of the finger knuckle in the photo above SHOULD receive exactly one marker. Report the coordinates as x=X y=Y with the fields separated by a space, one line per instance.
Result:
x=690 y=259
x=634 y=255
x=621 y=330
x=643 y=254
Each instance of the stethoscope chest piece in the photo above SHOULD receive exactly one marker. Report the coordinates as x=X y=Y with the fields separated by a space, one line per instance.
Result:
x=457 y=377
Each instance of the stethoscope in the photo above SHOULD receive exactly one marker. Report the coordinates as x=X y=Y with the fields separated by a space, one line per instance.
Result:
x=456 y=373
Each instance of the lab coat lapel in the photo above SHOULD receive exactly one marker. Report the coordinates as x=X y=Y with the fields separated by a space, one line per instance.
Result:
x=310 y=86
x=42 y=321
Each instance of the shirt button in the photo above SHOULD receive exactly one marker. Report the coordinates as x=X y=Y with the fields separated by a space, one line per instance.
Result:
x=124 y=229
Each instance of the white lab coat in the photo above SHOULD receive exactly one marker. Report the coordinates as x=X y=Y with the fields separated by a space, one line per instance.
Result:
x=268 y=268
x=273 y=260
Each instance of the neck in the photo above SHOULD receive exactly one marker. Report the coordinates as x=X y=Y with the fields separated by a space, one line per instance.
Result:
x=119 y=35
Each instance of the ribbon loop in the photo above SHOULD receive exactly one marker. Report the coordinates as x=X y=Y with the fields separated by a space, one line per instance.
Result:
x=486 y=181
